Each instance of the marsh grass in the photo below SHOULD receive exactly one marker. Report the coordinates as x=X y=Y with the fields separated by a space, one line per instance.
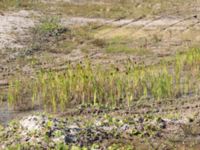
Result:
x=96 y=86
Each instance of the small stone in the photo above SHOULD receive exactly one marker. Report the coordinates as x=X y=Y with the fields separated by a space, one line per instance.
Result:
x=68 y=139
x=51 y=145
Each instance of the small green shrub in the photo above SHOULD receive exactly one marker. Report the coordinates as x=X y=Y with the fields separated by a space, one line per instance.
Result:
x=49 y=25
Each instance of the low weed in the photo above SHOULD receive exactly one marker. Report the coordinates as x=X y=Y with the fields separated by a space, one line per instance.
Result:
x=49 y=27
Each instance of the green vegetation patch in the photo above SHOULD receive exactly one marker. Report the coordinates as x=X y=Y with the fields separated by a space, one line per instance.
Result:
x=84 y=84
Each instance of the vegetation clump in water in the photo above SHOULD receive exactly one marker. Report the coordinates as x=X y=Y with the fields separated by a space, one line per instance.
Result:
x=84 y=84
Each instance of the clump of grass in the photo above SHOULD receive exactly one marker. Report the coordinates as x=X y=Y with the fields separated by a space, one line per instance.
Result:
x=162 y=86
x=187 y=70
x=47 y=34
x=19 y=94
x=49 y=25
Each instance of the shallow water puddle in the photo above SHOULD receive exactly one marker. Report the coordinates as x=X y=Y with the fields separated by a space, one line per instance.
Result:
x=7 y=114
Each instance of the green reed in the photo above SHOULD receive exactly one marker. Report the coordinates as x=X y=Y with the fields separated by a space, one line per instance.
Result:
x=97 y=86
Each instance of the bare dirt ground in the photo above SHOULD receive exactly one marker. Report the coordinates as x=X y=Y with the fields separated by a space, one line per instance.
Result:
x=13 y=31
x=14 y=25
x=162 y=36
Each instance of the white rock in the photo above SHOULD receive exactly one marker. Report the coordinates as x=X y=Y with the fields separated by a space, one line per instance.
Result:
x=32 y=123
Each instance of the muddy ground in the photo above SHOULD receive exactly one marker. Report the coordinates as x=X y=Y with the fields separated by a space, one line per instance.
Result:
x=160 y=35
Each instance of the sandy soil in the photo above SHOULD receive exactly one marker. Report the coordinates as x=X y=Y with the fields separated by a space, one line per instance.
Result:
x=14 y=25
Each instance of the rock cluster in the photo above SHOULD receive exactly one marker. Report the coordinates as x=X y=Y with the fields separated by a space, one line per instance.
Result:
x=44 y=132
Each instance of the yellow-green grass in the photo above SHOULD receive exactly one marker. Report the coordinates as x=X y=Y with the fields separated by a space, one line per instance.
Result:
x=84 y=84
x=125 y=8
x=102 y=8
x=20 y=4
x=125 y=45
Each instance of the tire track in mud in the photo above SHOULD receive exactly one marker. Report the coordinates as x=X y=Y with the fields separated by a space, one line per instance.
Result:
x=102 y=25
x=122 y=25
x=142 y=23
x=180 y=21
x=191 y=26
x=145 y=24
x=187 y=27
x=172 y=13
x=140 y=19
